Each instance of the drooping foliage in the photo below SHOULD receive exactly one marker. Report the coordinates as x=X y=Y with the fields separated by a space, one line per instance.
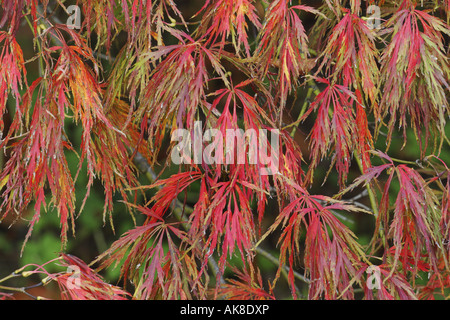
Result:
x=234 y=131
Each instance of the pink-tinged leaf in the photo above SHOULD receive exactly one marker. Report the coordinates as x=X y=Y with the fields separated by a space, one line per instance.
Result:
x=83 y=283
x=405 y=93
x=284 y=43
x=390 y=286
x=330 y=259
x=12 y=75
x=156 y=270
x=351 y=55
x=247 y=286
x=334 y=128
x=224 y=18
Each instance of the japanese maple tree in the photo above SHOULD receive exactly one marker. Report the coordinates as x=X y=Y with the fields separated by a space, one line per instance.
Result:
x=344 y=195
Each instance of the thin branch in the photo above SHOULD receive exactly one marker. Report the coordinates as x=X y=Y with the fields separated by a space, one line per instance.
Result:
x=23 y=289
x=358 y=196
x=274 y=260
x=359 y=204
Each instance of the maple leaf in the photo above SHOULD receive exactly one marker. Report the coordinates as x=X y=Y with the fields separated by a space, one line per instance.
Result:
x=154 y=261
x=11 y=77
x=176 y=89
x=330 y=258
x=38 y=157
x=414 y=227
x=405 y=93
x=247 y=286
x=233 y=67
x=222 y=18
x=83 y=283
x=389 y=286
x=12 y=13
x=39 y=154
x=77 y=282
x=435 y=286
x=334 y=102
x=352 y=50
x=284 y=43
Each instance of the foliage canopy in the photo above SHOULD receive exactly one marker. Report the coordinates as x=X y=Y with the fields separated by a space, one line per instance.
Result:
x=360 y=103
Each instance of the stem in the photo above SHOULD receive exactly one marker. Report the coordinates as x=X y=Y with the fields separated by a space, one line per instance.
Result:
x=22 y=290
x=372 y=197
x=12 y=275
x=404 y=161
x=312 y=89
x=275 y=261
x=35 y=37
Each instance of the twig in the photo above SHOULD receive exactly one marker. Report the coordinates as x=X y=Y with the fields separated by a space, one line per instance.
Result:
x=359 y=204
x=58 y=21
x=358 y=196
x=312 y=88
x=23 y=289
x=274 y=260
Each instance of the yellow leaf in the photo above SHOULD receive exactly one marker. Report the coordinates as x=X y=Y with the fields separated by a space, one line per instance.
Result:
x=3 y=182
